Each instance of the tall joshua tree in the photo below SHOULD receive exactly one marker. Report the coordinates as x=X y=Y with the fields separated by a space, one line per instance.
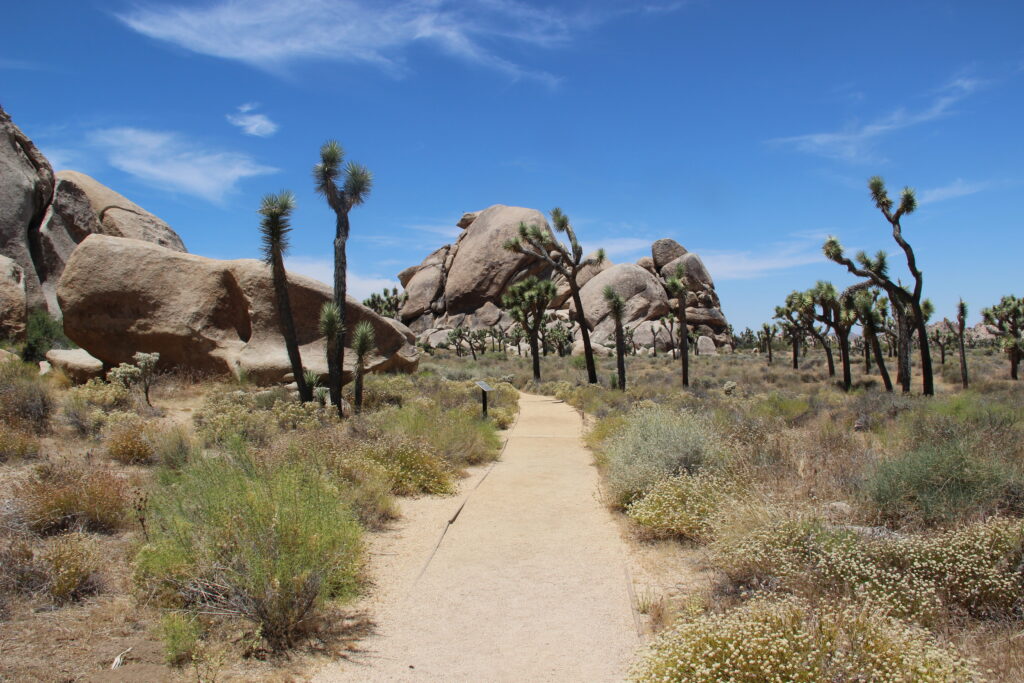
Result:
x=617 y=308
x=330 y=324
x=275 y=225
x=837 y=313
x=792 y=324
x=356 y=182
x=871 y=313
x=567 y=261
x=527 y=302
x=362 y=343
x=961 y=332
x=800 y=306
x=1008 y=318
x=676 y=287
x=907 y=305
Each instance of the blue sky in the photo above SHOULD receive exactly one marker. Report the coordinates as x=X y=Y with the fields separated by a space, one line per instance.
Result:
x=744 y=130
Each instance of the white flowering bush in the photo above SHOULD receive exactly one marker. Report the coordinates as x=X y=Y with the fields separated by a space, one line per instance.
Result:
x=256 y=417
x=788 y=639
x=682 y=506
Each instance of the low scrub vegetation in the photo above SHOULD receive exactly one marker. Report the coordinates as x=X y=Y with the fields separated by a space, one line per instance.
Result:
x=59 y=498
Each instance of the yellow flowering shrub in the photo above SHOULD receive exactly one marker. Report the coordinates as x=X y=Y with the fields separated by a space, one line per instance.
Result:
x=682 y=506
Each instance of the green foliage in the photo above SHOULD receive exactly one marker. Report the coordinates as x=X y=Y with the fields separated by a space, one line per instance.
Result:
x=267 y=542
x=255 y=417
x=275 y=225
x=682 y=506
x=412 y=468
x=180 y=634
x=789 y=409
x=386 y=303
x=457 y=435
x=43 y=333
x=790 y=639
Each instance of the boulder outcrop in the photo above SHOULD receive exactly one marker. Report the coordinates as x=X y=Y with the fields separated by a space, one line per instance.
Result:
x=120 y=296
x=12 y=299
x=43 y=216
x=461 y=285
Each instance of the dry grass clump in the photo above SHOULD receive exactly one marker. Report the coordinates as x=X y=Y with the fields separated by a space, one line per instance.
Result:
x=458 y=435
x=64 y=568
x=180 y=634
x=16 y=443
x=129 y=438
x=85 y=407
x=255 y=417
x=25 y=398
x=413 y=468
x=790 y=639
x=61 y=498
x=267 y=542
x=682 y=506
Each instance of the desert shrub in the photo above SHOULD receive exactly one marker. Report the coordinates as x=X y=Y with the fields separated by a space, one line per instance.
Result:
x=943 y=483
x=267 y=542
x=81 y=416
x=786 y=408
x=129 y=438
x=72 y=566
x=383 y=391
x=20 y=568
x=59 y=498
x=24 y=396
x=457 y=435
x=180 y=634
x=971 y=570
x=978 y=422
x=682 y=506
x=43 y=333
x=173 y=448
x=412 y=467
x=106 y=396
x=255 y=417
x=792 y=640
x=503 y=417
x=655 y=443
x=16 y=444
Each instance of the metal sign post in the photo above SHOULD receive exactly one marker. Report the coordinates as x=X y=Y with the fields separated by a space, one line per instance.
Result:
x=484 y=389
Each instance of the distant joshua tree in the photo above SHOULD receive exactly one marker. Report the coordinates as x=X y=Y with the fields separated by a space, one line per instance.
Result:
x=527 y=302
x=961 y=332
x=871 y=312
x=567 y=261
x=767 y=335
x=1008 y=318
x=907 y=305
x=356 y=183
x=676 y=286
x=386 y=303
x=275 y=225
x=836 y=312
x=330 y=322
x=617 y=309
x=362 y=344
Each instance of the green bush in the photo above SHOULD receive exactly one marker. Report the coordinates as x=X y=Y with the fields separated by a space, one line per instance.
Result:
x=175 y=447
x=682 y=506
x=943 y=483
x=457 y=435
x=256 y=417
x=43 y=333
x=268 y=542
x=412 y=467
x=180 y=634
x=786 y=408
x=790 y=639
x=655 y=443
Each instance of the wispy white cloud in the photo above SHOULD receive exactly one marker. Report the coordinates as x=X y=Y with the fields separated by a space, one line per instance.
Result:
x=61 y=158
x=449 y=231
x=957 y=188
x=21 y=65
x=171 y=161
x=801 y=250
x=252 y=123
x=619 y=247
x=359 y=286
x=855 y=142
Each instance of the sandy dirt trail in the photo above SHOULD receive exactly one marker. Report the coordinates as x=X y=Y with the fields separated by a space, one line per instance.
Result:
x=529 y=583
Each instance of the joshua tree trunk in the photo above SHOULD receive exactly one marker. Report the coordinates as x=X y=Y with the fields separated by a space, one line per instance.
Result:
x=340 y=291
x=1014 y=362
x=963 y=357
x=872 y=340
x=928 y=379
x=844 y=355
x=768 y=343
x=684 y=343
x=535 y=352
x=358 y=389
x=796 y=352
x=902 y=348
x=867 y=357
x=334 y=371
x=284 y=312
x=620 y=354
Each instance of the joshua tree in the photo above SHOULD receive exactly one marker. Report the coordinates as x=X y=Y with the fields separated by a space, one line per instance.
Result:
x=1008 y=318
x=961 y=331
x=767 y=335
x=617 y=308
x=942 y=335
x=567 y=261
x=669 y=323
x=799 y=306
x=362 y=343
x=527 y=301
x=275 y=225
x=907 y=305
x=330 y=321
x=386 y=303
x=838 y=314
x=871 y=312
x=356 y=182
x=631 y=343
x=676 y=286
x=515 y=337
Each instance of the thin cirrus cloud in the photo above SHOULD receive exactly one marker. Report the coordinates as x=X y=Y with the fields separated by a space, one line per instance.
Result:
x=251 y=122
x=802 y=249
x=855 y=143
x=171 y=161
x=358 y=286
x=272 y=35
x=955 y=189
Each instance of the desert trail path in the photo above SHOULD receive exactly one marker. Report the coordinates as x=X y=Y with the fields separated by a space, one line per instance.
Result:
x=529 y=583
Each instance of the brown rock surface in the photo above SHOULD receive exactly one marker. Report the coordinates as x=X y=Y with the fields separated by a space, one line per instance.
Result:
x=120 y=296
x=13 y=309
x=664 y=251
x=77 y=364
x=643 y=294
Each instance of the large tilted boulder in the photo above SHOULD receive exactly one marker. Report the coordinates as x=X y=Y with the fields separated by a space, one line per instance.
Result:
x=13 y=310
x=77 y=364
x=643 y=294
x=120 y=296
x=664 y=251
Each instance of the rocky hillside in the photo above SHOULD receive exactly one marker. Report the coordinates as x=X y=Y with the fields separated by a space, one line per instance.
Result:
x=461 y=284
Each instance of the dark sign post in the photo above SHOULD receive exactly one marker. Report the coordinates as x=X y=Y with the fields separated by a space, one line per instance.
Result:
x=484 y=389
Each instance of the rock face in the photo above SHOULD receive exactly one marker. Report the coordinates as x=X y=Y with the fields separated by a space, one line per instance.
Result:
x=13 y=311
x=120 y=296
x=77 y=364
x=43 y=217
x=461 y=285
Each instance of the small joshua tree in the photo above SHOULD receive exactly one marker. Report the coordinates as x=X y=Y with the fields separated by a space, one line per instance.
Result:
x=871 y=313
x=676 y=286
x=527 y=302
x=836 y=312
x=330 y=321
x=362 y=344
x=1008 y=318
x=275 y=225
x=386 y=303
x=567 y=261
x=942 y=335
x=668 y=322
x=767 y=335
x=617 y=309
x=356 y=183
x=961 y=332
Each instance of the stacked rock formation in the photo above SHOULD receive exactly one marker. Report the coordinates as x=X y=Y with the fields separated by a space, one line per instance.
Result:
x=461 y=285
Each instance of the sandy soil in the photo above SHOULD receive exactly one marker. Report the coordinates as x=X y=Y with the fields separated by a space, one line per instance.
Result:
x=529 y=582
